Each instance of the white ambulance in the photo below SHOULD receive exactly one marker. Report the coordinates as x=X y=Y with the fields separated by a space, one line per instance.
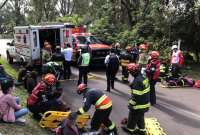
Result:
x=29 y=40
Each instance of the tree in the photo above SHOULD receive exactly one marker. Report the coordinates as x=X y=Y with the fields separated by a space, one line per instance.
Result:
x=3 y=4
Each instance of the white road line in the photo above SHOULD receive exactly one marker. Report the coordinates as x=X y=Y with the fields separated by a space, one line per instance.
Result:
x=182 y=111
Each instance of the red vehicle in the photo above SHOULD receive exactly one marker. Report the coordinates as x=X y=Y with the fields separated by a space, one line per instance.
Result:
x=97 y=49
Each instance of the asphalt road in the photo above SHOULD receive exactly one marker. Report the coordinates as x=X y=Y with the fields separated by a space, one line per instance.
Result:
x=177 y=110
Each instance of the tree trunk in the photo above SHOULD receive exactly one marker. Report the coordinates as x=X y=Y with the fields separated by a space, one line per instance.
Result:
x=197 y=55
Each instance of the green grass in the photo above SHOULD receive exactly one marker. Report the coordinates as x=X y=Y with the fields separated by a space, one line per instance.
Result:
x=31 y=127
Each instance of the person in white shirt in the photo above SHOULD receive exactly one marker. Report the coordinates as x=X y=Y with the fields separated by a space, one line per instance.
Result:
x=67 y=51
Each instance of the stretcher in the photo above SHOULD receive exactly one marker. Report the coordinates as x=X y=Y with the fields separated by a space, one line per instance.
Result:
x=152 y=126
x=52 y=119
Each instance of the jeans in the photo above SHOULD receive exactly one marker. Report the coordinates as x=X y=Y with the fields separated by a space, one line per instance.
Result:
x=83 y=72
x=21 y=112
x=152 y=92
x=67 y=69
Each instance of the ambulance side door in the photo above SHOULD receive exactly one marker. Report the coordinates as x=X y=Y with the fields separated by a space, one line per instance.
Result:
x=35 y=44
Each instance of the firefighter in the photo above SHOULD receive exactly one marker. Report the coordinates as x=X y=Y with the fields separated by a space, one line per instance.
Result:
x=135 y=53
x=143 y=57
x=43 y=98
x=103 y=105
x=112 y=67
x=153 y=72
x=176 y=61
x=83 y=63
x=138 y=103
x=125 y=60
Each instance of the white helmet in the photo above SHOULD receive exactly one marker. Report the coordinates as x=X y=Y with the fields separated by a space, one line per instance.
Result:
x=174 y=47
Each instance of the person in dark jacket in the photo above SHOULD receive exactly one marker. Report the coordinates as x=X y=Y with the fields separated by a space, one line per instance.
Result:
x=135 y=53
x=103 y=105
x=125 y=60
x=138 y=103
x=83 y=63
x=153 y=73
x=112 y=67
x=57 y=56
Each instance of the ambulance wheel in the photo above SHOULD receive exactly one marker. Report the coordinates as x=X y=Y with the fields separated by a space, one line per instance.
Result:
x=21 y=62
x=9 y=58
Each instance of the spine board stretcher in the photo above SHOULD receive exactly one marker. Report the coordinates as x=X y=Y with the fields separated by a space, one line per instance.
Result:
x=52 y=119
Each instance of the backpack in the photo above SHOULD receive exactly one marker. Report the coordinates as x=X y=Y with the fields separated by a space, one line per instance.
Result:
x=113 y=62
x=33 y=98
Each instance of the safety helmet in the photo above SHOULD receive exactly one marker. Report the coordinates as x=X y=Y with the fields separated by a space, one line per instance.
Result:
x=154 y=54
x=50 y=79
x=197 y=84
x=132 y=67
x=81 y=88
x=117 y=45
x=143 y=47
x=128 y=48
x=174 y=47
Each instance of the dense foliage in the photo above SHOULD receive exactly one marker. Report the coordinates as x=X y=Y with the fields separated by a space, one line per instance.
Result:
x=159 y=22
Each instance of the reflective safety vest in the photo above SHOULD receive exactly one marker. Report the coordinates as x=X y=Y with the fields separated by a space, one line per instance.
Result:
x=104 y=102
x=85 y=59
x=141 y=97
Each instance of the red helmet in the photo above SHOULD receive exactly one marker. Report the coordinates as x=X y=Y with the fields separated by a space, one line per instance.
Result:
x=155 y=54
x=133 y=67
x=197 y=84
x=81 y=87
x=50 y=79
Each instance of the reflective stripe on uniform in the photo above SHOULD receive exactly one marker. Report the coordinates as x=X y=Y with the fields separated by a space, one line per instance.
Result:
x=81 y=110
x=124 y=62
x=137 y=107
x=105 y=106
x=146 y=83
x=125 y=78
x=132 y=102
x=138 y=92
x=131 y=129
x=103 y=102
x=143 y=130
x=111 y=127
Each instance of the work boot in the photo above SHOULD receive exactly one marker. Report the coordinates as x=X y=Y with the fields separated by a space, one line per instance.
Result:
x=108 y=89
x=128 y=131
x=139 y=132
